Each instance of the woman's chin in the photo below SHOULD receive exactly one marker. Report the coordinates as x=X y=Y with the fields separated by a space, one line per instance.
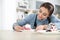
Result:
x=40 y=19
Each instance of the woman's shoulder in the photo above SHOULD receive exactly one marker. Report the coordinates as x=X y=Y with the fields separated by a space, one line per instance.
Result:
x=32 y=15
x=54 y=17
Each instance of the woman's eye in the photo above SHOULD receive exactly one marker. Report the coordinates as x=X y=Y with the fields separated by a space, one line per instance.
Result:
x=40 y=11
x=44 y=14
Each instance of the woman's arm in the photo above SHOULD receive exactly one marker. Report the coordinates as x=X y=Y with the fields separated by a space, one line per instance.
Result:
x=56 y=21
x=19 y=24
x=41 y=27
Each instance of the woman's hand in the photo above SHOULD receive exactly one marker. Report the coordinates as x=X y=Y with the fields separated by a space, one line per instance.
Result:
x=18 y=28
x=41 y=27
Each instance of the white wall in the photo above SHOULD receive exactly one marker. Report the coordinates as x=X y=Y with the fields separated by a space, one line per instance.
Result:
x=0 y=14
x=8 y=14
x=46 y=0
x=32 y=4
x=57 y=2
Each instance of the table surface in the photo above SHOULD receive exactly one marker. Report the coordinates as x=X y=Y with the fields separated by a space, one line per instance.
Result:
x=27 y=35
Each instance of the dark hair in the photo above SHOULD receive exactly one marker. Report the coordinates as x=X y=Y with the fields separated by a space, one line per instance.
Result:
x=49 y=6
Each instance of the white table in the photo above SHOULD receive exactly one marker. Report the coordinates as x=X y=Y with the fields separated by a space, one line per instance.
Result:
x=27 y=35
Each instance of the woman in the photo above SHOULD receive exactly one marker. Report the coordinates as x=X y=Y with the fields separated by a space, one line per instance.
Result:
x=40 y=20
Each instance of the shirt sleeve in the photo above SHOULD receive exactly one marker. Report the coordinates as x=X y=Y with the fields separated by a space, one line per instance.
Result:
x=55 y=20
x=26 y=20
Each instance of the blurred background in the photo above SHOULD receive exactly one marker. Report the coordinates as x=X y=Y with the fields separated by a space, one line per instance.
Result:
x=12 y=10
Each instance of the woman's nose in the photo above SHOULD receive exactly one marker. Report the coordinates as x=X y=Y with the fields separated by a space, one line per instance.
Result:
x=40 y=15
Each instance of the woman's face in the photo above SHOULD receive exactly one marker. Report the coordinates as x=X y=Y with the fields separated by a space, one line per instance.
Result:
x=43 y=13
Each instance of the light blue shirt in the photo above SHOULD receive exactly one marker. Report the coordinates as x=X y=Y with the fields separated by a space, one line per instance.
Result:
x=30 y=19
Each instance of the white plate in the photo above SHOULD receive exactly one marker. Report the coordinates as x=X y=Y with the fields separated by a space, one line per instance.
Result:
x=44 y=32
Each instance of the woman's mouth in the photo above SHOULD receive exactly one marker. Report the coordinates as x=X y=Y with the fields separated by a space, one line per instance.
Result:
x=40 y=18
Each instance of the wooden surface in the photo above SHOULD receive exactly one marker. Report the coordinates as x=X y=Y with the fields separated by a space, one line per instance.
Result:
x=27 y=35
